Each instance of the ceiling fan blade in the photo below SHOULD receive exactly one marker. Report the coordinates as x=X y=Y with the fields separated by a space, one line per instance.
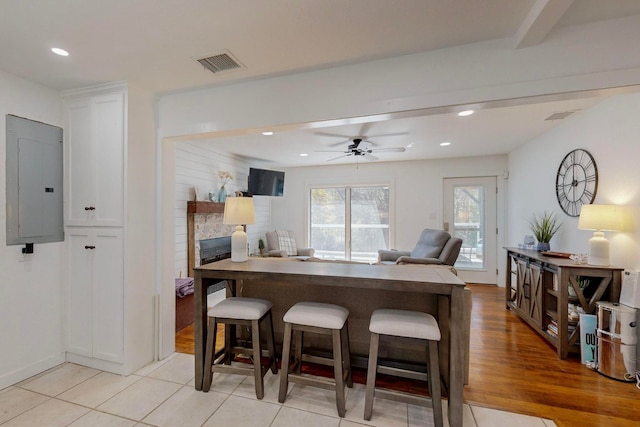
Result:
x=331 y=151
x=339 y=157
x=389 y=134
x=391 y=149
x=370 y=156
x=364 y=129
x=333 y=135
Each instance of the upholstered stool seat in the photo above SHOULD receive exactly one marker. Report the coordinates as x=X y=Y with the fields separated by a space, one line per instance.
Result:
x=234 y=311
x=318 y=318
x=406 y=324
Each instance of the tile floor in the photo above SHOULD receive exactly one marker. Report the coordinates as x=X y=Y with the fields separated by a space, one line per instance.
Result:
x=162 y=394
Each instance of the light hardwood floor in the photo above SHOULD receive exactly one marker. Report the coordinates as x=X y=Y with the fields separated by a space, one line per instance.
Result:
x=514 y=369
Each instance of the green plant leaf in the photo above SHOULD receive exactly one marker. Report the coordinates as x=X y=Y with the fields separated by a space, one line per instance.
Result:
x=544 y=226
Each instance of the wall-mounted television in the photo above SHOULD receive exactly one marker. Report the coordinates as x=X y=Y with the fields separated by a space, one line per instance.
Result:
x=264 y=182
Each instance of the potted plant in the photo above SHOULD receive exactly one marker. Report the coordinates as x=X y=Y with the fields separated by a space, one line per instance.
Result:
x=543 y=228
x=261 y=246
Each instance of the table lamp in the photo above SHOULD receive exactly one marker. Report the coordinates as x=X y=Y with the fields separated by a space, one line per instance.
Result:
x=239 y=211
x=599 y=218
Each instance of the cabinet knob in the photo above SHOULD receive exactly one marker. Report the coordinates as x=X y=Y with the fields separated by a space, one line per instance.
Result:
x=89 y=247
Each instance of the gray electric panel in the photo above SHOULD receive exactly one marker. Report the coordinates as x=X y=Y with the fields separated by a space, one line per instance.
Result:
x=34 y=182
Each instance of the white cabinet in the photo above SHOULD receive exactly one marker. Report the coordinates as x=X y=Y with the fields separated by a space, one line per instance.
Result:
x=110 y=229
x=95 y=147
x=96 y=294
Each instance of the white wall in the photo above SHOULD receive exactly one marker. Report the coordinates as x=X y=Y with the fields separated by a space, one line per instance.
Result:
x=30 y=285
x=609 y=131
x=415 y=190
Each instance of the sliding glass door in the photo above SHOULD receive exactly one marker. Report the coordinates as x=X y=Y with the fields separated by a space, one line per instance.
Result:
x=349 y=223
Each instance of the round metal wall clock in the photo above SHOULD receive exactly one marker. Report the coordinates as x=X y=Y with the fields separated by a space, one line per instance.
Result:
x=576 y=181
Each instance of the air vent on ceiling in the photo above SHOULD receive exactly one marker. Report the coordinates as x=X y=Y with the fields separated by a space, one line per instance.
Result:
x=220 y=62
x=561 y=115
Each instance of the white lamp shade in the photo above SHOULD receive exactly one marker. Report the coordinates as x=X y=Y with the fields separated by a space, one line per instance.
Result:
x=599 y=217
x=239 y=210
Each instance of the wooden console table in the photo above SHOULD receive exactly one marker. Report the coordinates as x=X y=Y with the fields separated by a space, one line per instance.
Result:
x=538 y=291
x=192 y=209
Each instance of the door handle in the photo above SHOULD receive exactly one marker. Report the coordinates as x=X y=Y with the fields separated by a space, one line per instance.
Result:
x=89 y=247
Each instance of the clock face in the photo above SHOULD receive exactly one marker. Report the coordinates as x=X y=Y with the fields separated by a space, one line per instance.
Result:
x=576 y=182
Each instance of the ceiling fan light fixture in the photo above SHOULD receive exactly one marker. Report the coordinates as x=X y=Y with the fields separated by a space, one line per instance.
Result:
x=466 y=113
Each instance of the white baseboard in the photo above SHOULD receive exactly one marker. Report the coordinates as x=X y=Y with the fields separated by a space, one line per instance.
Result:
x=14 y=377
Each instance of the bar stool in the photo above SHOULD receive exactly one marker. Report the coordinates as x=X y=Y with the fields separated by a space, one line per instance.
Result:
x=408 y=324
x=317 y=318
x=250 y=312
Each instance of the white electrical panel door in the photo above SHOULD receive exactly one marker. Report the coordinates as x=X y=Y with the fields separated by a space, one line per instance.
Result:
x=33 y=182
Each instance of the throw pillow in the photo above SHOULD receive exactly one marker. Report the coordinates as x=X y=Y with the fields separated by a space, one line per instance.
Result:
x=287 y=242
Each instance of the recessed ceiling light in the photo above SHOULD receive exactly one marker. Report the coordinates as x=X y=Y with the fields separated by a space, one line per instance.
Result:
x=466 y=113
x=303 y=154
x=267 y=133
x=445 y=144
x=59 y=51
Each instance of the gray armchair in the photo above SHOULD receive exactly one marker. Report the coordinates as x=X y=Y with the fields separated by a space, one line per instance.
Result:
x=283 y=244
x=433 y=247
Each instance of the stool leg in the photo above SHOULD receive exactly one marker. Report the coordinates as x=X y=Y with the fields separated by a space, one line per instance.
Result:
x=297 y=348
x=257 y=359
x=229 y=342
x=371 y=375
x=344 y=334
x=284 y=367
x=271 y=344
x=338 y=372
x=434 y=383
x=209 y=354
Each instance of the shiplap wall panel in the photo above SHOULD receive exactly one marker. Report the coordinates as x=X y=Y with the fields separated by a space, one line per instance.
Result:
x=197 y=165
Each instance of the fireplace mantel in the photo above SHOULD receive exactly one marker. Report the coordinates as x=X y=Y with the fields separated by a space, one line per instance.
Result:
x=204 y=207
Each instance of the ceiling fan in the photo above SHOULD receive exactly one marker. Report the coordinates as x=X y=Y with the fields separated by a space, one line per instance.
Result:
x=360 y=146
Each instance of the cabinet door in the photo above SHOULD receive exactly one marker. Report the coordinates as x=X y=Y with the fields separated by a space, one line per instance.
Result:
x=536 y=282
x=96 y=293
x=522 y=297
x=109 y=138
x=108 y=296
x=80 y=155
x=80 y=292
x=96 y=141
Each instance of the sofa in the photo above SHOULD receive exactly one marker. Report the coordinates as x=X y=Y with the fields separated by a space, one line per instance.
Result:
x=283 y=244
x=433 y=247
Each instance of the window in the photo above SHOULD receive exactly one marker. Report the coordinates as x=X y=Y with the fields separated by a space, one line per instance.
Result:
x=349 y=223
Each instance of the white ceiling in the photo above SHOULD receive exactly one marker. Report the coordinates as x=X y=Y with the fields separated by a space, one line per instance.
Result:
x=156 y=43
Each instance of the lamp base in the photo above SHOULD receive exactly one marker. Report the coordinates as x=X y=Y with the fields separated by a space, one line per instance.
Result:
x=239 y=245
x=598 y=249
